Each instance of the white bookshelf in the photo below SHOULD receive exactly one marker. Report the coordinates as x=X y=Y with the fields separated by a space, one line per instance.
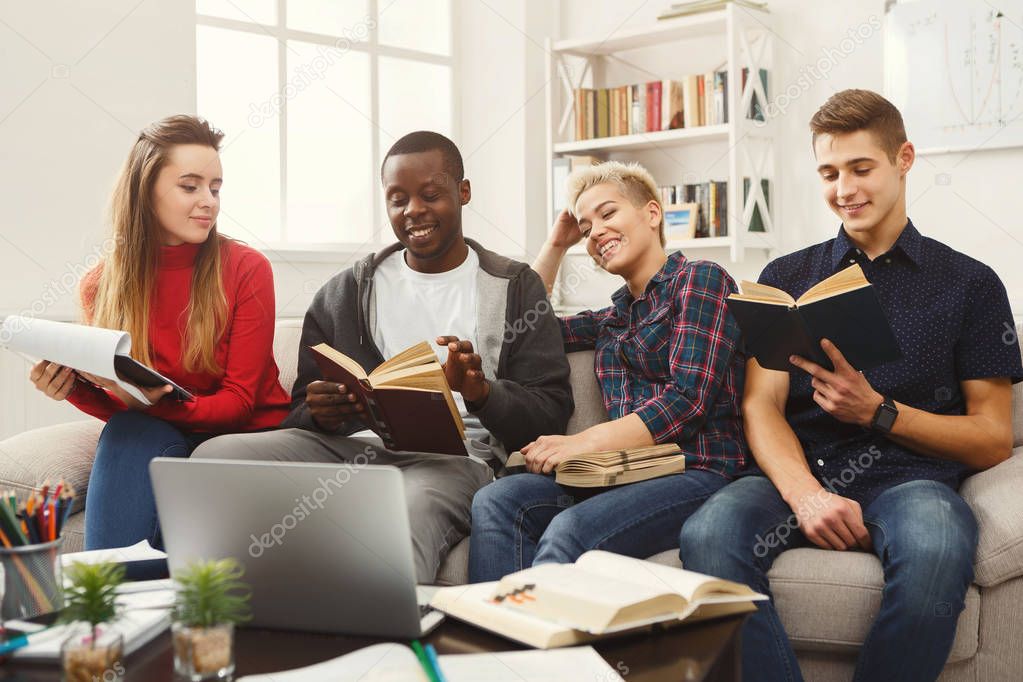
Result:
x=729 y=39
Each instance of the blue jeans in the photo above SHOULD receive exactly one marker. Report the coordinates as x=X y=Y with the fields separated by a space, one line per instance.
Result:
x=524 y=520
x=120 y=509
x=924 y=534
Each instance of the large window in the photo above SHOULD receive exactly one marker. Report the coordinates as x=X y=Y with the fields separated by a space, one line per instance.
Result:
x=310 y=95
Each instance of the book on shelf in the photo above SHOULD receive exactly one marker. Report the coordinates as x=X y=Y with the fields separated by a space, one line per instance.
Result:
x=407 y=400
x=615 y=467
x=105 y=353
x=638 y=111
x=843 y=308
x=601 y=594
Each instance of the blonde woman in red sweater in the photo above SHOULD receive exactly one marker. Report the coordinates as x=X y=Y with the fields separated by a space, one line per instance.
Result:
x=200 y=309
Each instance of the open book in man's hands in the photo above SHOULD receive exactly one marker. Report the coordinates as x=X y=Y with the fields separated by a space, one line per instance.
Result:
x=105 y=353
x=843 y=308
x=602 y=593
x=407 y=398
x=615 y=467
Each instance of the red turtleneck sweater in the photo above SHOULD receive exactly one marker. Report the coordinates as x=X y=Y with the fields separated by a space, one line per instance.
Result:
x=246 y=395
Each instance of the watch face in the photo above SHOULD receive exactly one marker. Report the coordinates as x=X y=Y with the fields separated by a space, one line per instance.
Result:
x=886 y=417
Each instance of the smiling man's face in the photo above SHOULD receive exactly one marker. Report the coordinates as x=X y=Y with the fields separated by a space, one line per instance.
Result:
x=861 y=185
x=424 y=205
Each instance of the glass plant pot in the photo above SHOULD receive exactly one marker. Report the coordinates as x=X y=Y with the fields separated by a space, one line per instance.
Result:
x=203 y=653
x=88 y=655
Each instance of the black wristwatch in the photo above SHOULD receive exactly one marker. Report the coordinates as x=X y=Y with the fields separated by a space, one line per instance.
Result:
x=884 y=417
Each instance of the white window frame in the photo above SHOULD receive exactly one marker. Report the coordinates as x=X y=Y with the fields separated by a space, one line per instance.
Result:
x=381 y=234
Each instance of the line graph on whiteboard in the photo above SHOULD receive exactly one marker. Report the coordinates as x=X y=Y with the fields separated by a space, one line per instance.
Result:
x=955 y=70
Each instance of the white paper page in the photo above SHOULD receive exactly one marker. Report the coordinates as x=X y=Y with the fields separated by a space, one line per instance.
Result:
x=582 y=584
x=84 y=348
x=579 y=664
x=140 y=551
x=379 y=663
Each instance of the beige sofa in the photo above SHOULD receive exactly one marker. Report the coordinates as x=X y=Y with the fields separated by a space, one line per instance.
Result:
x=827 y=600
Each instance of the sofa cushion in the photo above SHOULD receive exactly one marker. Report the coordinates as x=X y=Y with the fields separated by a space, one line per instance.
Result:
x=589 y=402
x=50 y=453
x=828 y=600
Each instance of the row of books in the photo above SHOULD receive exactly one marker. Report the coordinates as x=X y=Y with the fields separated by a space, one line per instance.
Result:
x=693 y=211
x=697 y=100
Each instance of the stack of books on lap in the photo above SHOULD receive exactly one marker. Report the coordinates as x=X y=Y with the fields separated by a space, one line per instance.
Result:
x=615 y=467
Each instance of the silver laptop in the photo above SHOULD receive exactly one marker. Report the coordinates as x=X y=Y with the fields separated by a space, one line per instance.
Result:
x=325 y=547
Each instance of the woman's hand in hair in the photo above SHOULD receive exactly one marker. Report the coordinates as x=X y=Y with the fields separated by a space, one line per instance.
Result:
x=565 y=232
x=331 y=405
x=153 y=395
x=55 y=381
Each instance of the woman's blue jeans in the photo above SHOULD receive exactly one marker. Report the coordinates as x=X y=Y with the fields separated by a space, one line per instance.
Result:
x=120 y=509
x=524 y=520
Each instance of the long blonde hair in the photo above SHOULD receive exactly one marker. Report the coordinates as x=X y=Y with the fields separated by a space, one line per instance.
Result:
x=124 y=283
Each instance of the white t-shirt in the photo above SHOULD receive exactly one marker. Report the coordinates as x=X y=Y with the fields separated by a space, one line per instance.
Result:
x=416 y=306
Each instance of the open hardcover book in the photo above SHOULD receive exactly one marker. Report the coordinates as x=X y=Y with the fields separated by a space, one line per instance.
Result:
x=615 y=467
x=104 y=353
x=843 y=308
x=602 y=593
x=407 y=398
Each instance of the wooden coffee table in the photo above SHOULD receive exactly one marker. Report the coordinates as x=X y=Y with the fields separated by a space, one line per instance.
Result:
x=708 y=651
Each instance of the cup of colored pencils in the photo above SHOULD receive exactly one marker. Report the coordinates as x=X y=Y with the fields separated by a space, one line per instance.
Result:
x=30 y=551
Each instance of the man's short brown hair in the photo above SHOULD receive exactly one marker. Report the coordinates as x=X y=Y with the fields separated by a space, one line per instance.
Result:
x=849 y=111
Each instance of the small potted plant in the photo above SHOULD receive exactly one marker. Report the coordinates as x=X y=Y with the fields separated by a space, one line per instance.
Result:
x=94 y=649
x=210 y=600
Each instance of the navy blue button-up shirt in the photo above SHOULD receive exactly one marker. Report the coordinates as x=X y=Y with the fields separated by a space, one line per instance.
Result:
x=952 y=320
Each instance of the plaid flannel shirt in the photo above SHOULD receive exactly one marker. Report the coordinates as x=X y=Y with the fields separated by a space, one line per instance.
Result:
x=673 y=357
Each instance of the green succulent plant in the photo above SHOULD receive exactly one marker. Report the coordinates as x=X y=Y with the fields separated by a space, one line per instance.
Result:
x=211 y=593
x=91 y=596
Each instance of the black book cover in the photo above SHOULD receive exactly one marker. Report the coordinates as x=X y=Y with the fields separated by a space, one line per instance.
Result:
x=853 y=321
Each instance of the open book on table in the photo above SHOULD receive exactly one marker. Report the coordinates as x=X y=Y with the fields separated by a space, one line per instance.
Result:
x=843 y=308
x=408 y=401
x=615 y=467
x=104 y=353
x=602 y=593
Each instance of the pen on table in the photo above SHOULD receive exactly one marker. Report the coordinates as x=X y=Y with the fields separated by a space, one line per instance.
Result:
x=424 y=661
x=431 y=654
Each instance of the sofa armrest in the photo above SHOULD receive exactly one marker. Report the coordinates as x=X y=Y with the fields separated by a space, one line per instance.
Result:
x=62 y=451
x=994 y=495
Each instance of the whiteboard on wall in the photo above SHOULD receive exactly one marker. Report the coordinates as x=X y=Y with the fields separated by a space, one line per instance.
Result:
x=954 y=68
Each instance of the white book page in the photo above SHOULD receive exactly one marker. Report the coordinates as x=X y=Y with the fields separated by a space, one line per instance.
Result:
x=580 y=664
x=579 y=582
x=86 y=349
x=652 y=575
x=140 y=551
x=379 y=663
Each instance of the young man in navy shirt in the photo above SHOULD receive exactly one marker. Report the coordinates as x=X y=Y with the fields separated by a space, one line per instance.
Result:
x=871 y=461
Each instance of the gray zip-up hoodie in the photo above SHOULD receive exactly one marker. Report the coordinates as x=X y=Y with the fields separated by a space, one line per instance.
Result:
x=519 y=340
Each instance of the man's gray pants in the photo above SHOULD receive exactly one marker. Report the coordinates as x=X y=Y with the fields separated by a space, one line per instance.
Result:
x=438 y=488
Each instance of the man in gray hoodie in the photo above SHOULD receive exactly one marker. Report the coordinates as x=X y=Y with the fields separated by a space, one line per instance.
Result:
x=495 y=332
